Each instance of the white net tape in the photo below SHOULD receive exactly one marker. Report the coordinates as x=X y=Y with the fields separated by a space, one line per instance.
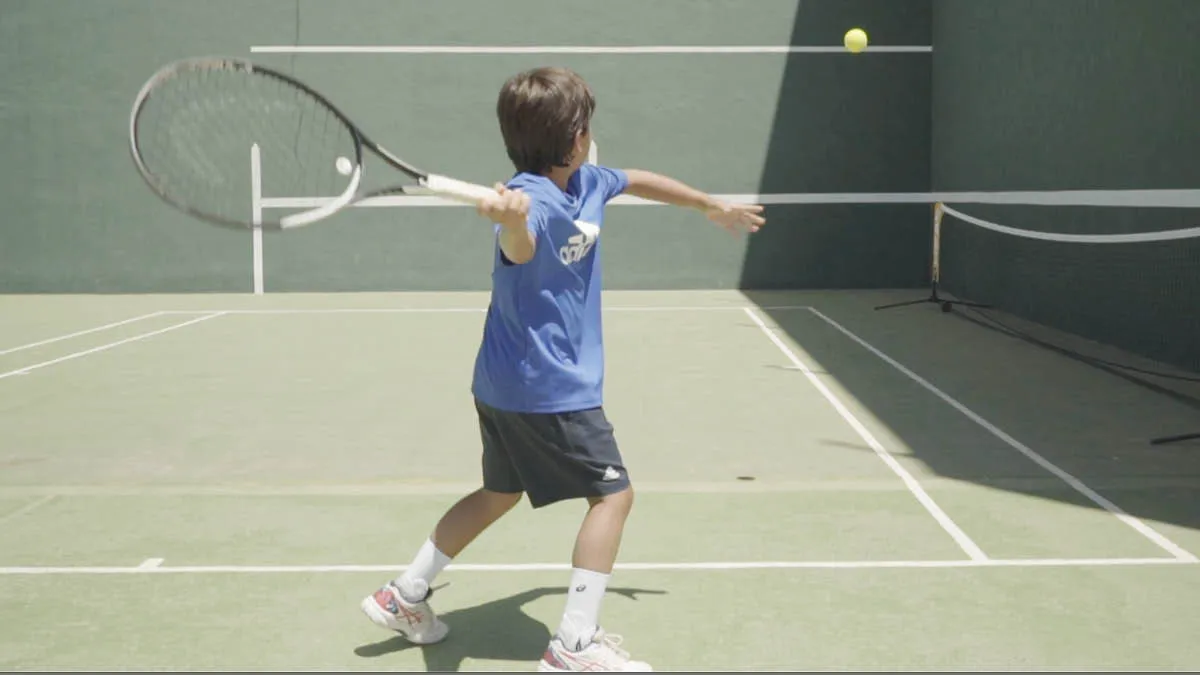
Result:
x=1133 y=237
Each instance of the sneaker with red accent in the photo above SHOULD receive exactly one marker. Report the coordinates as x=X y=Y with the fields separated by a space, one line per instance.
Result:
x=414 y=620
x=603 y=653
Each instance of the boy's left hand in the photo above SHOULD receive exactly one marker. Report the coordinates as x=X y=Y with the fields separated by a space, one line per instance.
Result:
x=736 y=218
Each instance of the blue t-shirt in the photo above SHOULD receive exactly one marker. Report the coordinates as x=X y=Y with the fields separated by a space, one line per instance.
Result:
x=542 y=348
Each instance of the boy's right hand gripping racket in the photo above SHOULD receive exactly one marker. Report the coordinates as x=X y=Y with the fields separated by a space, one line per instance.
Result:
x=203 y=129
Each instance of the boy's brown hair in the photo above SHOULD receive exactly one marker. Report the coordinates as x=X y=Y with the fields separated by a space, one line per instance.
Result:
x=540 y=112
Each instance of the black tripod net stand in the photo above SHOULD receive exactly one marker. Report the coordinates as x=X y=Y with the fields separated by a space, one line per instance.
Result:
x=934 y=272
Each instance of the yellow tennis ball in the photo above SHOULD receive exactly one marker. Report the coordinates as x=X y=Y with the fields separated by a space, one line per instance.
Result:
x=856 y=40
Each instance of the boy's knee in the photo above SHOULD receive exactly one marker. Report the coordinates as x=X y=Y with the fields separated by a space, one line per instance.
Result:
x=501 y=501
x=622 y=500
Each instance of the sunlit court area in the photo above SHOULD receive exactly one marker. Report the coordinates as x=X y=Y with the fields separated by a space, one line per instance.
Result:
x=942 y=412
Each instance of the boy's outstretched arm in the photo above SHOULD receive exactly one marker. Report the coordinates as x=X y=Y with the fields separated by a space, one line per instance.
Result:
x=660 y=188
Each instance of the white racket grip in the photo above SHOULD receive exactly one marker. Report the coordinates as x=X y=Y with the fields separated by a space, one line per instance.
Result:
x=457 y=190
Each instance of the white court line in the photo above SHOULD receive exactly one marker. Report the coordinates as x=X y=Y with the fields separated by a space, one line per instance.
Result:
x=27 y=508
x=142 y=336
x=78 y=333
x=463 y=310
x=632 y=567
x=584 y=49
x=1127 y=198
x=337 y=310
x=1144 y=529
x=964 y=542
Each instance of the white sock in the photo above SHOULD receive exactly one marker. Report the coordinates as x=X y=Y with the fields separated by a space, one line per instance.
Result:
x=414 y=583
x=581 y=618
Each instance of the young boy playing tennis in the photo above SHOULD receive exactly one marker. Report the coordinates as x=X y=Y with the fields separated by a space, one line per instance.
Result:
x=540 y=368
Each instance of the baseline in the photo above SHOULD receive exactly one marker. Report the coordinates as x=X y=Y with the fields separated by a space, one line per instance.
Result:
x=462 y=310
x=158 y=568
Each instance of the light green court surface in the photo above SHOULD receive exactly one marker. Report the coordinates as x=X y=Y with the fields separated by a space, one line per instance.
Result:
x=222 y=493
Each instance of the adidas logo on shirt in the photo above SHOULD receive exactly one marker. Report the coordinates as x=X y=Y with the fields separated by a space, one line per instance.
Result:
x=579 y=245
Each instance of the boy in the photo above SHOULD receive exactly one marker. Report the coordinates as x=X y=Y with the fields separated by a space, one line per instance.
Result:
x=539 y=372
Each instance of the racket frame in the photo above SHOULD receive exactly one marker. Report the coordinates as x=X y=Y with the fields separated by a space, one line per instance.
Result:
x=464 y=192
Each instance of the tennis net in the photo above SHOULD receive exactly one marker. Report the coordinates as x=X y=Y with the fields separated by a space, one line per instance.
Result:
x=1123 y=276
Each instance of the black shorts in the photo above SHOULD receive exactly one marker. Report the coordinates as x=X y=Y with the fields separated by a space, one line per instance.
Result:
x=551 y=456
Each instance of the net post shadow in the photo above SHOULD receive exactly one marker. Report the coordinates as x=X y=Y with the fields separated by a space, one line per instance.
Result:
x=1166 y=440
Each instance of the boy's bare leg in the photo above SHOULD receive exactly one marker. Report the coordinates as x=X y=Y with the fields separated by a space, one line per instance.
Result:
x=469 y=517
x=580 y=644
x=460 y=525
x=596 y=548
x=401 y=604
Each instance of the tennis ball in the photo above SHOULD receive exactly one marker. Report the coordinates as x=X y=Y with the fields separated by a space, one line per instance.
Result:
x=856 y=40
x=344 y=166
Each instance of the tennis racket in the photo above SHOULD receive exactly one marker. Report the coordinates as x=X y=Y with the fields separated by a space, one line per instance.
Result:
x=211 y=135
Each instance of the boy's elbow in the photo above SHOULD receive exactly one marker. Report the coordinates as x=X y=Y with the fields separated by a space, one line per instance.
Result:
x=520 y=257
x=518 y=252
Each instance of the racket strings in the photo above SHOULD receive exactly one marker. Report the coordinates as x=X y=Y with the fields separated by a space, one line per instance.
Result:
x=196 y=129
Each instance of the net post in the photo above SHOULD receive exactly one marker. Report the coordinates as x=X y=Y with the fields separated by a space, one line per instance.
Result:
x=256 y=213
x=935 y=269
x=934 y=265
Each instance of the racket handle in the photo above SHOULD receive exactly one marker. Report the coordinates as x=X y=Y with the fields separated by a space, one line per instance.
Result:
x=457 y=190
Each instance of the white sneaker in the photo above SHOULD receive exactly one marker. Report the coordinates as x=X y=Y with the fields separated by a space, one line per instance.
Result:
x=603 y=653
x=414 y=620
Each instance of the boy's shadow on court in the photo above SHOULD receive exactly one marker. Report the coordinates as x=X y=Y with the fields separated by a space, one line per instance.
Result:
x=498 y=630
